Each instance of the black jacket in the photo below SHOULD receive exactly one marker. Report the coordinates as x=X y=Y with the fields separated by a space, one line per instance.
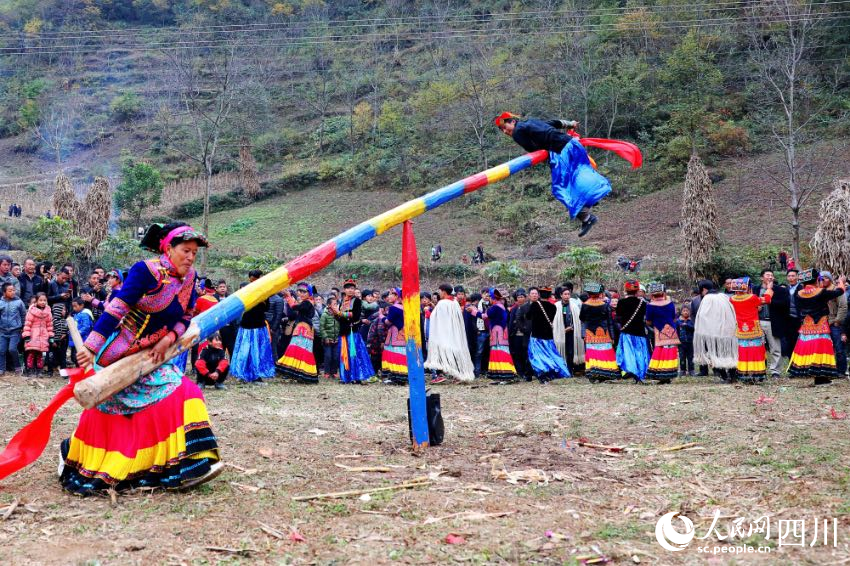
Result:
x=632 y=323
x=778 y=308
x=518 y=322
x=536 y=134
x=256 y=317
x=274 y=315
x=542 y=319
x=30 y=286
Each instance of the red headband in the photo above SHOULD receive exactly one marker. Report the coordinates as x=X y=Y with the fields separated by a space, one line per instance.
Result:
x=171 y=235
x=500 y=119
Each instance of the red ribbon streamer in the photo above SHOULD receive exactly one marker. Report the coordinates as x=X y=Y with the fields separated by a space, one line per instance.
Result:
x=28 y=444
x=627 y=150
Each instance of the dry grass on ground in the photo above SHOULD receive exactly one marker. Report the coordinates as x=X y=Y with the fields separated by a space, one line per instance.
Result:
x=786 y=458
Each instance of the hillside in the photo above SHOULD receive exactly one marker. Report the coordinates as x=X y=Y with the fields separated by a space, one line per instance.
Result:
x=384 y=101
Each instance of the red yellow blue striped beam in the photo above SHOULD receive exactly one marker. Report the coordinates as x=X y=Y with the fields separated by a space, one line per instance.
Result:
x=413 y=335
x=231 y=309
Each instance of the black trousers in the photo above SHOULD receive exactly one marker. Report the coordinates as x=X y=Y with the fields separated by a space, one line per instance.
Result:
x=519 y=352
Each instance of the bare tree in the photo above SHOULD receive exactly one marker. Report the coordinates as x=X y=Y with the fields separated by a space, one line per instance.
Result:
x=210 y=87
x=56 y=128
x=781 y=40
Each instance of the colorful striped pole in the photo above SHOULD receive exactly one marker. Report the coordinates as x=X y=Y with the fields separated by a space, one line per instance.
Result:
x=231 y=309
x=415 y=364
x=123 y=373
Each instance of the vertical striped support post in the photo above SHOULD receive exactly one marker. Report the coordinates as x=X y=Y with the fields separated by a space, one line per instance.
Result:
x=415 y=364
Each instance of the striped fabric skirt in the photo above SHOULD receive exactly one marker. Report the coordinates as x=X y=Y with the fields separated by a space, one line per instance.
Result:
x=600 y=358
x=814 y=355
x=164 y=444
x=751 y=359
x=299 y=362
x=501 y=364
x=664 y=363
x=394 y=356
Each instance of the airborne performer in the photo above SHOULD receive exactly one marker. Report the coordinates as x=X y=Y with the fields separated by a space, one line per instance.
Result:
x=575 y=181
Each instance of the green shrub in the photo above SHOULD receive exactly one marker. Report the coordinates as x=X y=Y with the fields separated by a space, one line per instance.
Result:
x=126 y=106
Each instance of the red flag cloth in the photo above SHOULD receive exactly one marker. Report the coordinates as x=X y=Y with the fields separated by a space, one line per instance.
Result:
x=28 y=444
x=627 y=150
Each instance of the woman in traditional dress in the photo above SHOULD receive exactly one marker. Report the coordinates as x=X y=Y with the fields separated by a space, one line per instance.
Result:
x=814 y=354
x=600 y=357
x=298 y=361
x=661 y=316
x=252 y=360
x=354 y=363
x=751 y=350
x=156 y=432
x=632 y=347
x=394 y=355
x=543 y=355
x=501 y=364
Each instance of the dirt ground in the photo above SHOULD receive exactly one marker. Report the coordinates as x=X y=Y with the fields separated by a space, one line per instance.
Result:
x=775 y=450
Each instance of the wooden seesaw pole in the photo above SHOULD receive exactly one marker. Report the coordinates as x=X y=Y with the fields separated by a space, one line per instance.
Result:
x=108 y=381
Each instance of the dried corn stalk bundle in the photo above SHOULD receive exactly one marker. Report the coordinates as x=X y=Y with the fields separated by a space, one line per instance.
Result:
x=699 y=217
x=65 y=201
x=831 y=242
x=93 y=226
x=248 y=170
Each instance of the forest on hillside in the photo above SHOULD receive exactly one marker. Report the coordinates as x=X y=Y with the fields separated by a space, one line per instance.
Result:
x=402 y=94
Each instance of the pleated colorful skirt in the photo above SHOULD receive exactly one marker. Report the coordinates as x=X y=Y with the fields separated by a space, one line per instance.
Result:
x=545 y=359
x=501 y=363
x=165 y=444
x=599 y=358
x=252 y=355
x=751 y=359
x=633 y=355
x=394 y=356
x=354 y=363
x=299 y=362
x=814 y=355
x=664 y=363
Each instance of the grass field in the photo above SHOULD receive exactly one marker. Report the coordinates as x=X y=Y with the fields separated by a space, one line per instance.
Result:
x=291 y=225
x=773 y=450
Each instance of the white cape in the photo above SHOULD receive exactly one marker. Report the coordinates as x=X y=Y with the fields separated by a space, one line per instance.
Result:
x=558 y=330
x=715 y=343
x=447 y=349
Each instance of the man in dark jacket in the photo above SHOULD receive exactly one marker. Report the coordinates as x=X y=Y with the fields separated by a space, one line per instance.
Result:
x=59 y=290
x=274 y=316
x=519 y=331
x=31 y=282
x=773 y=319
x=551 y=135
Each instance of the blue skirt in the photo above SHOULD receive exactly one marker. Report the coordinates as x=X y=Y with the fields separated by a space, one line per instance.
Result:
x=354 y=362
x=545 y=358
x=252 y=355
x=633 y=355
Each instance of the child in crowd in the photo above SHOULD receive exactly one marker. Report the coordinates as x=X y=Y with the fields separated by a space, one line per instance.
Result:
x=686 y=337
x=56 y=357
x=37 y=334
x=329 y=333
x=84 y=319
x=212 y=365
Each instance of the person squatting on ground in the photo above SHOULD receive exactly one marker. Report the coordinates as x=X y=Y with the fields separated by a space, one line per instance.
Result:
x=212 y=365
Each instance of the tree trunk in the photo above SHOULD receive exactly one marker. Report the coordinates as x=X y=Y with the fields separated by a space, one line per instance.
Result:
x=795 y=233
x=206 y=221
